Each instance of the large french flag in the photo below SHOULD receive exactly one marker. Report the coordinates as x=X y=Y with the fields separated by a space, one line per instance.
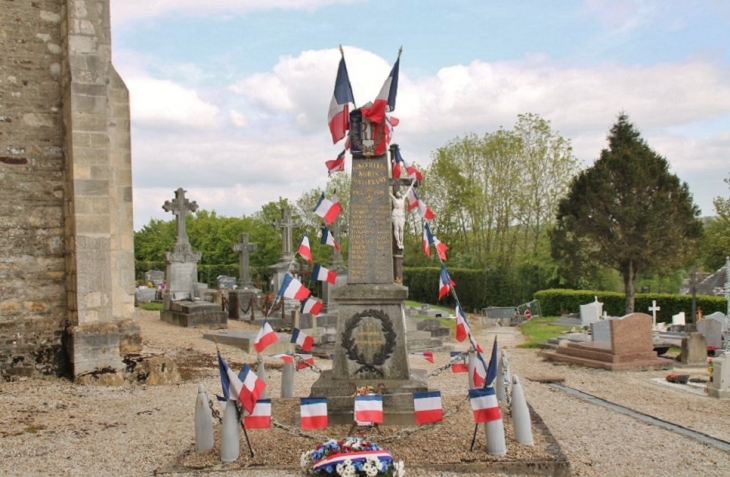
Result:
x=484 y=405
x=339 y=112
x=293 y=288
x=323 y=274
x=312 y=306
x=302 y=339
x=428 y=407
x=336 y=165
x=251 y=388
x=385 y=102
x=369 y=408
x=327 y=209
x=328 y=238
x=445 y=282
x=260 y=417
x=313 y=412
x=458 y=362
x=266 y=337
x=305 y=251
x=462 y=326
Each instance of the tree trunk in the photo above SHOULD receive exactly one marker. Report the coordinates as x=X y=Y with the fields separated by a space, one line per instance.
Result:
x=629 y=286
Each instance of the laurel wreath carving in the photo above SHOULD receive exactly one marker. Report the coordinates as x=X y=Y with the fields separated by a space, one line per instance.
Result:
x=353 y=350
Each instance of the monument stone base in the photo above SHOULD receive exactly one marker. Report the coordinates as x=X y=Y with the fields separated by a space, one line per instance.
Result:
x=194 y=314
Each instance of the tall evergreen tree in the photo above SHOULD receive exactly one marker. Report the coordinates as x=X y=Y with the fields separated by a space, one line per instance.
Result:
x=626 y=212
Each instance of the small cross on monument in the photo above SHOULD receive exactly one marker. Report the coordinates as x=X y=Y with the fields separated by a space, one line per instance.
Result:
x=653 y=309
x=243 y=247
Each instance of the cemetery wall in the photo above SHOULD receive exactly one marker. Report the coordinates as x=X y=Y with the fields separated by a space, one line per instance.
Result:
x=66 y=233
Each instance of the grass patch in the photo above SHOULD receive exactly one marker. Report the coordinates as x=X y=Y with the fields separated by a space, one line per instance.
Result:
x=539 y=330
x=151 y=306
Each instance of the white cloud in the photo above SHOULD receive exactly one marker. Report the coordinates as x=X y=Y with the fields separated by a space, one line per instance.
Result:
x=238 y=119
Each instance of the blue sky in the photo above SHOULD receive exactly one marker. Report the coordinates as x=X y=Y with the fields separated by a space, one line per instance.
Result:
x=229 y=98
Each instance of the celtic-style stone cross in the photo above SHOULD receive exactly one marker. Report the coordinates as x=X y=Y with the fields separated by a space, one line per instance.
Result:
x=243 y=247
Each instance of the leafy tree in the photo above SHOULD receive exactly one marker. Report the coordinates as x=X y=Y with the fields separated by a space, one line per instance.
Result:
x=627 y=212
x=716 y=243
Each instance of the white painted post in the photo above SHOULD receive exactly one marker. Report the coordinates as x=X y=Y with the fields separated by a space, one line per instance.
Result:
x=230 y=435
x=203 y=422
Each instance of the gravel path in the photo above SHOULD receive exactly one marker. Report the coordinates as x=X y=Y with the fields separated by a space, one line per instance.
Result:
x=53 y=427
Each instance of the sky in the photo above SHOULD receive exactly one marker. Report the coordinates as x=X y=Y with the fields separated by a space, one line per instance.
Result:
x=229 y=98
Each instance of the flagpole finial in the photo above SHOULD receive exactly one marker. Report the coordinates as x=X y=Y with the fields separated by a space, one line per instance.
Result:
x=400 y=50
x=342 y=52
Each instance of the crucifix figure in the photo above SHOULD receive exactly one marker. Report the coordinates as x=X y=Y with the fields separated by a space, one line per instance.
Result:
x=180 y=207
x=653 y=309
x=243 y=247
x=286 y=224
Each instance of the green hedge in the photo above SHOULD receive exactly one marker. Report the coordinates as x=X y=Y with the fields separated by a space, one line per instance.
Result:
x=423 y=286
x=556 y=302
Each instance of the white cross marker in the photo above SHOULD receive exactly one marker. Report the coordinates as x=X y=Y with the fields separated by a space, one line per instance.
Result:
x=653 y=309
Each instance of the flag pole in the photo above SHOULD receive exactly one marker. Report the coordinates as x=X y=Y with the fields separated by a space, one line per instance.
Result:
x=342 y=53
x=243 y=426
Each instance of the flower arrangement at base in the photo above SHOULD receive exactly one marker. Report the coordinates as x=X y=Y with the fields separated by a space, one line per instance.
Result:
x=351 y=457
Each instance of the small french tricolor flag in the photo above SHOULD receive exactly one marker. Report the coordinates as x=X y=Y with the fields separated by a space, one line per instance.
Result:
x=480 y=371
x=426 y=242
x=369 y=408
x=329 y=239
x=305 y=251
x=302 y=339
x=484 y=405
x=428 y=239
x=313 y=412
x=445 y=282
x=323 y=274
x=336 y=165
x=265 y=337
x=293 y=288
x=327 y=209
x=312 y=306
x=284 y=357
x=251 y=388
x=427 y=406
x=427 y=355
x=305 y=361
x=260 y=417
x=458 y=362
x=462 y=326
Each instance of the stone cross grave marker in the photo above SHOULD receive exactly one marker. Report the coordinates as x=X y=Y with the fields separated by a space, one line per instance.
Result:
x=653 y=309
x=180 y=207
x=338 y=229
x=243 y=247
x=286 y=224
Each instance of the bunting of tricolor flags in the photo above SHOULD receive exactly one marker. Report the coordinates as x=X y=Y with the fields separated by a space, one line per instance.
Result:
x=427 y=407
x=265 y=337
x=304 y=250
x=458 y=362
x=302 y=339
x=327 y=209
x=260 y=417
x=323 y=274
x=445 y=282
x=427 y=355
x=429 y=239
x=415 y=203
x=293 y=288
x=462 y=325
x=328 y=238
x=312 y=306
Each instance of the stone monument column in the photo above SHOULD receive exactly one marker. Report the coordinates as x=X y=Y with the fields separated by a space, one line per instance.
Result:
x=370 y=347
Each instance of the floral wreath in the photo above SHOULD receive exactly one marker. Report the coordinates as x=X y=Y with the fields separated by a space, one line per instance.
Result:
x=351 y=457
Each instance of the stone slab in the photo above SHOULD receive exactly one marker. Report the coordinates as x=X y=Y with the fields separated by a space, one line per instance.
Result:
x=244 y=340
x=195 y=314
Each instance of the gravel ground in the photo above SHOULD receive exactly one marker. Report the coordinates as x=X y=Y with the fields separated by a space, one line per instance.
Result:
x=53 y=427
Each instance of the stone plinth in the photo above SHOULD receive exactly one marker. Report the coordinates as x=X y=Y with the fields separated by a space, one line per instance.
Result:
x=720 y=385
x=694 y=350
x=193 y=314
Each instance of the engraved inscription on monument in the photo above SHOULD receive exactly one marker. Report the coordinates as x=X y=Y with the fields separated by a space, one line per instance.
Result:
x=369 y=339
x=371 y=257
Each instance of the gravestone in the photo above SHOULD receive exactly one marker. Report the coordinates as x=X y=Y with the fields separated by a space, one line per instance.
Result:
x=601 y=331
x=591 y=312
x=694 y=350
x=679 y=319
x=630 y=346
x=720 y=317
x=179 y=306
x=286 y=264
x=156 y=277
x=370 y=346
x=243 y=300
x=711 y=329
x=720 y=385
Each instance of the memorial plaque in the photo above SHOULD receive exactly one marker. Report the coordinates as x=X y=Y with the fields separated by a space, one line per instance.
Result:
x=371 y=249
